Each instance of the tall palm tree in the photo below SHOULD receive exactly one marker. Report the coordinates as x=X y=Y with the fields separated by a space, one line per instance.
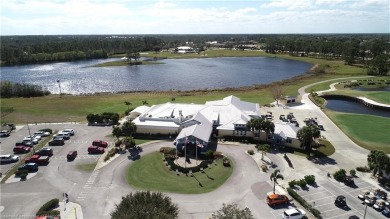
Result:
x=306 y=136
x=127 y=103
x=275 y=176
x=268 y=127
x=255 y=125
x=378 y=162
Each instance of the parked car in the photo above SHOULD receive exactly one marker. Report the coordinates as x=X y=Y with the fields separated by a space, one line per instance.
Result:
x=370 y=199
x=294 y=213
x=10 y=125
x=386 y=212
x=65 y=136
x=353 y=217
x=31 y=167
x=24 y=143
x=349 y=181
x=42 y=133
x=5 y=133
x=8 y=158
x=21 y=149
x=380 y=194
x=379 y=205
x=363 y=194
x=340 y=201
x=282 y=117
x=40 y=160
x=69 y=131
x=45 y=152
x=57 y=141
x=276 y=199
x=100 y=143
x=33 y=140
x=95 y=150
x=71 y=155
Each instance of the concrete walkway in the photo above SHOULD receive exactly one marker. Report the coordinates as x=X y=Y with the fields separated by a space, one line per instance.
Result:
x=70 y=210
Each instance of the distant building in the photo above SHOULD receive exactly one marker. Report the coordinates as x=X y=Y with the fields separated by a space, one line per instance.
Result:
x=184 y=49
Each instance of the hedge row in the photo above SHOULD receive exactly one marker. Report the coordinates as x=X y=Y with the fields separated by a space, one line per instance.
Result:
x=110 y=154
x=47 y=208
x=174 y=167
x=303 y=202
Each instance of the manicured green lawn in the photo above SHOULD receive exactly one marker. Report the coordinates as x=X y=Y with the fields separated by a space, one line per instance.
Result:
x=380 y=96
x=141 y=141
x=370 y=132
x=150 y=173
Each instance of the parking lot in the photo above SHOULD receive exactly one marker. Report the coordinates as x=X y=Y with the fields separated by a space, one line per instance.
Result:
x=84 y=135
x=322 y=197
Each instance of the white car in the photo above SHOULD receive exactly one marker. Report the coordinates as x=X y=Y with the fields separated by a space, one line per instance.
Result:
x=8 y=158
x=294 y=213
x=69 y=131
x=33 y=140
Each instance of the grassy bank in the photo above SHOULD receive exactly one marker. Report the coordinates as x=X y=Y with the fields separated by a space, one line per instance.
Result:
x=370 y=132
x=150 y=173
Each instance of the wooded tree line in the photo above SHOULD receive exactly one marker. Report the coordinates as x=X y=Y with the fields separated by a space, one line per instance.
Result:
x=370 y=50
x=9 y=89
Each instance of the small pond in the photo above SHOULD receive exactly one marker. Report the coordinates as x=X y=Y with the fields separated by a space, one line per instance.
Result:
x=348 y=106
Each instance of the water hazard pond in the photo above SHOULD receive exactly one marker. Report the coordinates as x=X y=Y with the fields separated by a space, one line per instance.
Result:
x=176 y=74
x=348 y=106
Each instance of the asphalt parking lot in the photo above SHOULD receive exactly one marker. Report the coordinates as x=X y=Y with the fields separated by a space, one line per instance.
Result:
x=322 y=197
x=84 y=135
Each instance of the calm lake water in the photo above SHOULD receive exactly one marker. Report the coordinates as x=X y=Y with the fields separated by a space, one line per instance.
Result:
x=176 y=74
x=354 y=107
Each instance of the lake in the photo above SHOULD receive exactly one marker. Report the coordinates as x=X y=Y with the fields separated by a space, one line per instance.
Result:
x=176 y=74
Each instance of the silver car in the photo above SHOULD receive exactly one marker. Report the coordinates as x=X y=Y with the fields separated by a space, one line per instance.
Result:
x=8 y=158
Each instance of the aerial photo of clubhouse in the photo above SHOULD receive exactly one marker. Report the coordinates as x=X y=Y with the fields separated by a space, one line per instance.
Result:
x=197 y=123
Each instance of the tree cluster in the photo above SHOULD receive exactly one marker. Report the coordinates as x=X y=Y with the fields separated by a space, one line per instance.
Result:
x=9 y=89
x=378 y=162
x=104 y=118
x=127 y=129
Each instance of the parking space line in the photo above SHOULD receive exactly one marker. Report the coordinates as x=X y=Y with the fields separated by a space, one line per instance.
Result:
x=330 y=203
x=337 y=216
x=311 y=193
x=320 y=198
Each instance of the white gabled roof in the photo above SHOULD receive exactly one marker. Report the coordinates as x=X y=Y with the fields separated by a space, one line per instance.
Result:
x=286 y=130
x=141 y=109
x=201 y=130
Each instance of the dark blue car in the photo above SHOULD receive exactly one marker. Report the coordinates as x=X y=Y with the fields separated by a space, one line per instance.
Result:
x=31 y=167
x=386 y=212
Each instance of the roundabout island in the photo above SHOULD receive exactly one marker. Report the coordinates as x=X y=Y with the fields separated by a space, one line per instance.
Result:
x=160 y=172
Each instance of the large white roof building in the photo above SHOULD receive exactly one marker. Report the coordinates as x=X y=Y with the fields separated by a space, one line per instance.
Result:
x=197 y=122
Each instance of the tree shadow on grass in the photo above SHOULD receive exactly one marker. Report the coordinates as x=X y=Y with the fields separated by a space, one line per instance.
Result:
x=200 y=184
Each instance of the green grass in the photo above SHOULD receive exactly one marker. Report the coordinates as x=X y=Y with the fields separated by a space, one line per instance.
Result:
x=141 y=141
x=88 y=167
x=370 y=132
x=324 y=150
x=150 y=173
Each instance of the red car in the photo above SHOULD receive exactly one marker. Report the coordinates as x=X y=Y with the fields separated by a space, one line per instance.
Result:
x=72 y=155
x=100 y=143
x=21 y=149
x=95 y=150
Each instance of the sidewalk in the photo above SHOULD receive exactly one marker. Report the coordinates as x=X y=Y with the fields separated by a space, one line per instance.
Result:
x=70 y=210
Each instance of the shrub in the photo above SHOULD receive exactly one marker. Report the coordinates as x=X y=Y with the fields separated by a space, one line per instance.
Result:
x=302 y=183
x=110 y=154
x=264 y=168
x=168 y=151
x=310 y=179
x=47 y=208
x=292 y=183
x=352 y=172
x=209 y=154
x=21 y=172
x=118 y=143
x=171 y=162
x=251 y=152
x=340 y=175
x=218 y=155
x=363 y=169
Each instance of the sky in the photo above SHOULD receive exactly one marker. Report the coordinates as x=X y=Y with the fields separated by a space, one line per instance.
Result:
x=73 y=17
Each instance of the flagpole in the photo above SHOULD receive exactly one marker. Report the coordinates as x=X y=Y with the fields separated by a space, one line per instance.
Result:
x=196 y=153
x=185 y=153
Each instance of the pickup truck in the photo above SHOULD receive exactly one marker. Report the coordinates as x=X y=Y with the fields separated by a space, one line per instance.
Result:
x=40 y=160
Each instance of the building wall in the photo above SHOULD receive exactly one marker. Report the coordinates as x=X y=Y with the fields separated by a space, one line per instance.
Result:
x=157 y=130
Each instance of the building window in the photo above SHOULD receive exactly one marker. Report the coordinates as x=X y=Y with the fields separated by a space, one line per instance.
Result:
x=289 y=140
x=234 y=132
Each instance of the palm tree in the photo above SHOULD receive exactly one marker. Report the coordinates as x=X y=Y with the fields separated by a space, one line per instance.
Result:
x=378 y=162
x=255 y=125
x=116 y=132
x=306 y=136
x=275 y=176
x=264 y=148
x=128 y=104
x=268 y=127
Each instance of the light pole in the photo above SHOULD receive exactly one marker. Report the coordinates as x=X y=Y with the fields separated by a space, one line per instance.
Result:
x=365 y=211
x=59 y=85
x=29 y=133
